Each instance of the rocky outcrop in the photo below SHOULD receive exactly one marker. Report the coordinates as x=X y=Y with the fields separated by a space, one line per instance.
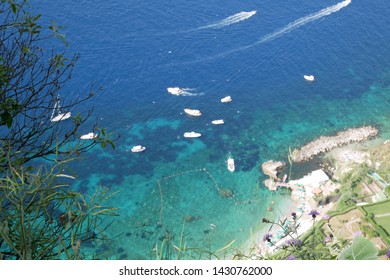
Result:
x=270 y=184
x=272 y=168
x=326 y=143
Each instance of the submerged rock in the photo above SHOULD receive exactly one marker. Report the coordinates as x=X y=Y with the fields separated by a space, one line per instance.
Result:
x=224 y=192
x=190 y=218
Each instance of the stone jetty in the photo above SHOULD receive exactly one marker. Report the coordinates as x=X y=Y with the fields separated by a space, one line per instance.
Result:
x=326 y=143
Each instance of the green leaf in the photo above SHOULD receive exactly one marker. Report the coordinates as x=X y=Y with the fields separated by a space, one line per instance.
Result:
x=360 y=249
x=111 y=143
x=25 y=49
x=6 y=118
x=37 y=17
x=14 y=8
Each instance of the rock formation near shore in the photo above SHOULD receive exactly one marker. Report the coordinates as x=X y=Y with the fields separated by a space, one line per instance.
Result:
x=271 y=168
x=326 y=143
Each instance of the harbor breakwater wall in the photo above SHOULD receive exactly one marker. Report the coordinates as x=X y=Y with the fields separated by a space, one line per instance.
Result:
x=326 y=143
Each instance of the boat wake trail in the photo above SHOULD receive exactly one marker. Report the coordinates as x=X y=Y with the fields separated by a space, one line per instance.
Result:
x=302 y=21
x=286 y=29
x=228 y=21
x=184 y=91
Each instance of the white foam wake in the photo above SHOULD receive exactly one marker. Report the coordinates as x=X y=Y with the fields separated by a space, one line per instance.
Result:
x=288 y=28
x=229 y=20
x=183 y=91
x=302 y=21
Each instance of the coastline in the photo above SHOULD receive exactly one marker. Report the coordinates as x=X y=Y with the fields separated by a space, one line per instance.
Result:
x=344 y=155
x=327 y=143
x=254 y=246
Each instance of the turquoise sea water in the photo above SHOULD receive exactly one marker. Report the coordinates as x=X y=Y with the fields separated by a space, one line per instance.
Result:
x=137 y=49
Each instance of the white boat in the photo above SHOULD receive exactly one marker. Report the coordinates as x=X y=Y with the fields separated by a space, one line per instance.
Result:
x=61 y=117
x=192 y=134
x=230 y=164
x=193 y=112
x=175 y=90
x=138 y=149
x=226 y=99
x=89 y=136
x=57 y=112
x=309 y=78
x=218 y=122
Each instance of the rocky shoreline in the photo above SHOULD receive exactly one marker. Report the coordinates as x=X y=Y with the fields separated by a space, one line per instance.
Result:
x=326 y=143
x=317 y=191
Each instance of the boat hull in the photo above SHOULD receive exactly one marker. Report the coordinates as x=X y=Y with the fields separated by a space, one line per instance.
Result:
x=61 y=117
x=230 y=165
x=138 y=149
x=192 y=135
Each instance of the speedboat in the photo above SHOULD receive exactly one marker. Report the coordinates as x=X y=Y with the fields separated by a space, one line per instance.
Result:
x=218 y=122
x=226 y=99
x=309 y=78
x=230 y=164
x=175 y=90
x=138 y=149
x=89 y=136
x=192 y=134
x=193 y=112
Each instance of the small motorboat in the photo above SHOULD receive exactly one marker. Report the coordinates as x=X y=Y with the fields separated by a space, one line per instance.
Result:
x=138 y=149
x=175 y=90
x=192 y=134
x=309 y=78
x=193 y=112
x=226 y=99
x=89 y=136
x=218 y=122
x=230 y=164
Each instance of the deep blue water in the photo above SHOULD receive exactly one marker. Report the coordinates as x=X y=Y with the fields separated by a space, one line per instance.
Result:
x=137 y=49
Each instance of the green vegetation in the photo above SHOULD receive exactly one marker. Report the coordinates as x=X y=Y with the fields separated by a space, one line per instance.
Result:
x=378 y=208
x=384 y=222
x=387 y=191
x=369 y=231
x=168 y=249
x=31 y=86
x=41 y=216
x=350 y=191
x=360 y=249
x=381 y=224
x=381 y=154
x=375 y=223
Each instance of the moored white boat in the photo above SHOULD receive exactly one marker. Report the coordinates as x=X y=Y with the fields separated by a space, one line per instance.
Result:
x=230 y=164
x=193 y=112
x=138 y=149
x=175 y=90
x=61 y=117
x=309 y=78
x=89 y=136
x=57 y=110
x=192 y=134
x=226 y=99
x=218 y=122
